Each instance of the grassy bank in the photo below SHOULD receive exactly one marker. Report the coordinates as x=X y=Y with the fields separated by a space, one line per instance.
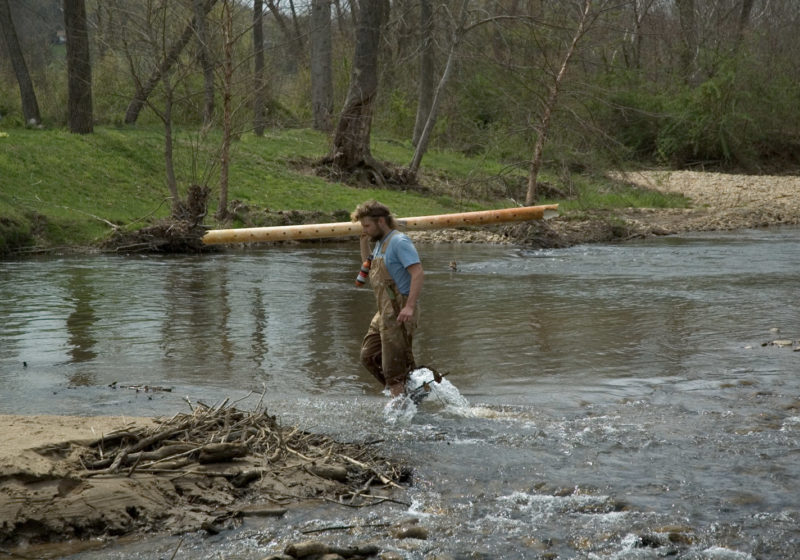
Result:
x=63 y=190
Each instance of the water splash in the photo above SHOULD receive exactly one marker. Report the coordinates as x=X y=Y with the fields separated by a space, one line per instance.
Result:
x=443 y=392
x=399 y=410
x=423 y=386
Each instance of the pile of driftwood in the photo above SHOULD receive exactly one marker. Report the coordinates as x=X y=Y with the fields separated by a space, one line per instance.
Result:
x=182 y=232
x=243 y=447
x=165 y=236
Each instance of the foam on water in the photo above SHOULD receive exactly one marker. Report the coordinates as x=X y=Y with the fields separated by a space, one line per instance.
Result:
x=721 y=553
x=538 y=504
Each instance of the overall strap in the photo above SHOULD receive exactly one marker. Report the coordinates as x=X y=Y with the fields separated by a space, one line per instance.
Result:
x=385 y=242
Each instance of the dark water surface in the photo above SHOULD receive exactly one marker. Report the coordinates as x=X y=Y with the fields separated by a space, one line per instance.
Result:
x=619 y=401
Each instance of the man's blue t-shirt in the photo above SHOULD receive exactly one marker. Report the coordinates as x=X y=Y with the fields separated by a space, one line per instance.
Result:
x=400 y=254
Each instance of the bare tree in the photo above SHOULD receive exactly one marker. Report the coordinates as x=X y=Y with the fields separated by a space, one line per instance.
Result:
x=640 y=10
x=145 y=39
x=355 y=12
x=293 y=37
x=351 y=142
x=204 y=56
x=227 y=111
x=143 y=90
x=426 y=69
x=744 y=17
x=30 y=106
x=433 y=111
x=550 y=103
x=688 y=51
x=301 y=43
x=79 y=68
x=259 y=85
x=178 y=208
x=321 y=65
x=337 y=4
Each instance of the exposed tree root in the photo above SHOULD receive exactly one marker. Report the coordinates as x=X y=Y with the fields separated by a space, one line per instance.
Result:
x=369 y=172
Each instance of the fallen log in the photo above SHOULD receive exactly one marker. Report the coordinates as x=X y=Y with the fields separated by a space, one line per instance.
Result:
x=346 y=229
x=220 y=452
x=331 y=472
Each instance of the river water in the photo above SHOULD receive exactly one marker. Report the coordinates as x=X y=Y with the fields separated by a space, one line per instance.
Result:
x=614 y=401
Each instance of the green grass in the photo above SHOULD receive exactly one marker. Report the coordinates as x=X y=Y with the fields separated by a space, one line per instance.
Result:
x=61 y=189
x=602 y=193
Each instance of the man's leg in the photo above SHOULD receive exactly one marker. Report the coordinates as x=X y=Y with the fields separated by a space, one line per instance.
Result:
x=371 y=350
x=396 y=359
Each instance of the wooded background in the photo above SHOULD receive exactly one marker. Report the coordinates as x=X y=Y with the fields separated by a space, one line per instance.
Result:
x=686 y=83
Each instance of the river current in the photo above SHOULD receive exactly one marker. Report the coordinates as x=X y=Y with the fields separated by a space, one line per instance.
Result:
x=602 y=401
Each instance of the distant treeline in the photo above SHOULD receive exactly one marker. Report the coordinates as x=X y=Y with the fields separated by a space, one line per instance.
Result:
x=686 y=83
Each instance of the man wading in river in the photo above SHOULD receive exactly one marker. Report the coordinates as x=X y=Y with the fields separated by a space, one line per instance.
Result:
x=395 y=274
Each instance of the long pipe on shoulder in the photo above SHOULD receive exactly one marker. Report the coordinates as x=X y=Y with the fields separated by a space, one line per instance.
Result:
x=345 y=229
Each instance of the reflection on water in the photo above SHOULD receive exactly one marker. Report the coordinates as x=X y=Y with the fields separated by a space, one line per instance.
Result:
x=613 y=391
x=80 y=323
x=289 y=320
x=259 y=345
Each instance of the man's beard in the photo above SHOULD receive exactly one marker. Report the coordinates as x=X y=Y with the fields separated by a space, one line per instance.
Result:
x=376 y=238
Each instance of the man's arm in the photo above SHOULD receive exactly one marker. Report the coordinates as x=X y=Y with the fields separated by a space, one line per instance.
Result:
x=364 y=244
x=417 y=278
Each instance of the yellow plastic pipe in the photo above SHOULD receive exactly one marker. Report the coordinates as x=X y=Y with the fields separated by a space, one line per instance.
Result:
x=344 y=229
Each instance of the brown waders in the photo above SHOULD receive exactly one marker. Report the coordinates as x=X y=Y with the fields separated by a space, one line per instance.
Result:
x=386 y=350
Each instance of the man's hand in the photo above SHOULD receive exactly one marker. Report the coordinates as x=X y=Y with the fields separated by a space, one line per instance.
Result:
x=406 y=314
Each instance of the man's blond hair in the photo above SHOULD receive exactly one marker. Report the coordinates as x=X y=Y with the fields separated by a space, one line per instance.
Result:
x=373 y=209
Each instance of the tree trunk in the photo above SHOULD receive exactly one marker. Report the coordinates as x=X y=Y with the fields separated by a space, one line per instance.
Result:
x=354 y=12
x=280 y=19
x=169 y=159
x=30 y=106
x=744 y=18
x=204 y=56
x=340 y=18
x=258 y=68
x=292 y=37
x=143 y=91
x=550 y=103
x=426 y=69
x=688 y=50
x=351 y=141
x=227 y=132
x=430 y=121
x=321 y=62
x=301 y=44
x=640 y=12
x=79 y=68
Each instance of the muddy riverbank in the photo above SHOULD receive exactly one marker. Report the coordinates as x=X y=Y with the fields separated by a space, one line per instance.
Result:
x=64 y=478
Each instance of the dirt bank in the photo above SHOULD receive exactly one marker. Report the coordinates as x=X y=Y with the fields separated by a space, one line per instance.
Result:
x=717 y=201
x=73 y=478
